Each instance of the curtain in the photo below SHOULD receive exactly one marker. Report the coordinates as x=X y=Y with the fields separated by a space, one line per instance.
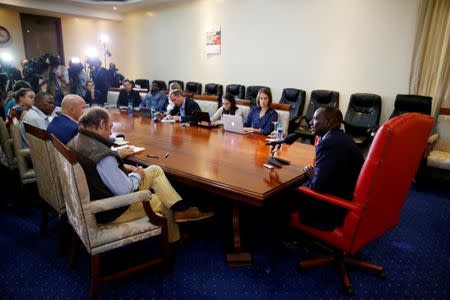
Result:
x=430 y=64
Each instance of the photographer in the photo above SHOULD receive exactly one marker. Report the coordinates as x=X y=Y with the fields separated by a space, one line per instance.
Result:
x=101 y=77
x=57 y=79
x=78 y=78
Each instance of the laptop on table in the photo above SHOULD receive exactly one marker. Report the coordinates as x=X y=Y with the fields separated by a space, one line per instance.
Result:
x=233 y=123
x=201 y=116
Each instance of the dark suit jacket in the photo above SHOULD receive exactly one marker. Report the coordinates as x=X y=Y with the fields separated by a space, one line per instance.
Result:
x=63 y=128
x=123 y=98
x=189 y=107
x=338 y=163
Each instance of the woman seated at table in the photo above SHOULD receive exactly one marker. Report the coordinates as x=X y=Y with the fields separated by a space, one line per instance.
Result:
x=262 y=115
x=228 y=108
x=93 y=96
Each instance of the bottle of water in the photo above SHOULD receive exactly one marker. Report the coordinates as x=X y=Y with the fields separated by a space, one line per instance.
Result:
x=280 y=130
x=130 y=107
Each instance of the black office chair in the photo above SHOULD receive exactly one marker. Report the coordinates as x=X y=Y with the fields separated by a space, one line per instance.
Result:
x=194 y=87
x=237 y=90
x=143 y=83
x=296 y=100
x=363 y=116
x=411 y=103
x=214 y=89
x=162 y=85
x=319 y=98
x=252 y=92
x=181 y=83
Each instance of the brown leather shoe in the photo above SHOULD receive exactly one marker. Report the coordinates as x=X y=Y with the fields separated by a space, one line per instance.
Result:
x=191 y=214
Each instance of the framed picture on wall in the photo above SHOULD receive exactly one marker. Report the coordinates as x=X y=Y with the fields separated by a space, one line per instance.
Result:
x=213 y=40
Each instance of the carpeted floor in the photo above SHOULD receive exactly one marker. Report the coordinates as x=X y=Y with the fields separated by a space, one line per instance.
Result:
x=415 y=255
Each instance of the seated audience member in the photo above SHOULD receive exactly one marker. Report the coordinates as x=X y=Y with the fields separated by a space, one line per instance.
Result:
x=24 y=99
x=228 y=108
x=337 y=166
x=128 y=94
x=65 y=126
x=107 y=176
x=93 y=96
x=38 y=115
x=262 y=115
x=10 y=102
x=173 y=86
x=155 y=99
x=184 y=107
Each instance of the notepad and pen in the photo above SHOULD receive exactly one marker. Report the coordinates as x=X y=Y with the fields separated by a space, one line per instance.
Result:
x=134 y=148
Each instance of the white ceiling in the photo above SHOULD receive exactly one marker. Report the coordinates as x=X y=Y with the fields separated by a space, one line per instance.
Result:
x=89 y=8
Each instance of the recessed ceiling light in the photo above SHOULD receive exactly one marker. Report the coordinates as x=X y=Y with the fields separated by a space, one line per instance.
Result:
x=115 y=8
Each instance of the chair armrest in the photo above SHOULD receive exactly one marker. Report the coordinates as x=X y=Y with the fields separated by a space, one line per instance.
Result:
x=116 y=201
x=327 y=198
x=25 y=152
x=432 y=139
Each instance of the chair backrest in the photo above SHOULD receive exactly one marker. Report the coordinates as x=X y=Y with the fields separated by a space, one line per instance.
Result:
x=283 y=112
x=321 y=98
x=193 y=87
x=181 y=83
x=213 y=89
x=296 y=100
x=207 y=103
x=443 y=130
x=363 y=111
x=143 y=83
x=44 y=162
x=244 y=105
x=26 y=172
x=411 y=103
x=237 y=90
x=252 y=92
x=162 y=84
x=75 y=190
x=386 y=178
x=7 y=145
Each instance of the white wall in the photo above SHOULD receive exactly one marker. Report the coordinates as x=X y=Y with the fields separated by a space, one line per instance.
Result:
x=346 y=45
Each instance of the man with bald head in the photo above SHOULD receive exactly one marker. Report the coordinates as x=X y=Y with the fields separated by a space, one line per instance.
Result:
x=337 y=166
x=65 y=126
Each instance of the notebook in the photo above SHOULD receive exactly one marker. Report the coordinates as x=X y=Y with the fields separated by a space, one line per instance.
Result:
x=233 y=123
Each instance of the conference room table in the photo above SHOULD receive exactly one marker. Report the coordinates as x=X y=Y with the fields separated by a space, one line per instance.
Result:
x=211 y=159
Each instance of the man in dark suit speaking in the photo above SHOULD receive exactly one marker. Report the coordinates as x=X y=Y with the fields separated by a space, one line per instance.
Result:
x=184 y=107
x=337 y=166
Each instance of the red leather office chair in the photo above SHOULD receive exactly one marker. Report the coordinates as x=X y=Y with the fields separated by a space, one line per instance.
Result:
x=380 y=192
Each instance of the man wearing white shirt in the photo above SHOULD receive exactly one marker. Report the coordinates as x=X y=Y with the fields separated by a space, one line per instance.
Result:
x=39 y=114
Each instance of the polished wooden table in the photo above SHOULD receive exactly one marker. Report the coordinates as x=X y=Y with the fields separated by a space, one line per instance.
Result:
x=221 y=162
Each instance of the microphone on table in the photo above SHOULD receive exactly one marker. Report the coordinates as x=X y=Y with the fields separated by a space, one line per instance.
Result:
x=277 y=161
x=290 y=139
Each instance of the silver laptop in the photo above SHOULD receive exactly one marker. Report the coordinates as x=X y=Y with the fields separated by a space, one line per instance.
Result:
x=233 y=123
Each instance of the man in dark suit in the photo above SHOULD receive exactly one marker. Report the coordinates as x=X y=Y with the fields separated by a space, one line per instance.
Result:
x=128 y=94
x=184 y=107
x=337 y=166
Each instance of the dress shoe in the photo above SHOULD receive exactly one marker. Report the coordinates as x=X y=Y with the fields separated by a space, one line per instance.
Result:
x=191 y=214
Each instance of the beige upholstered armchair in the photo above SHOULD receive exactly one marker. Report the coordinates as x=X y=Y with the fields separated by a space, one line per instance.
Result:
x=26 y=171
x=99 y=238
x=48 y=182
x=439 y=155
x=7 y=146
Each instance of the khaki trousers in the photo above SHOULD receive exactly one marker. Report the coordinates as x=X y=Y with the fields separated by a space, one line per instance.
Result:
x=163 y=198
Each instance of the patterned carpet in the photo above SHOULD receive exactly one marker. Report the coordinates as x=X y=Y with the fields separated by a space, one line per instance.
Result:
x=415 y=255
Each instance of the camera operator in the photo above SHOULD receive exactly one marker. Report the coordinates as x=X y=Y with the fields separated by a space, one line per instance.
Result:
x=78 y=78
x=101 y=77
x=57 y=79
x=117 y=78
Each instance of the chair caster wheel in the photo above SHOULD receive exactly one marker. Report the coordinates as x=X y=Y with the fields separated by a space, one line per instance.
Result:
x=348 y=290
x=382 y=275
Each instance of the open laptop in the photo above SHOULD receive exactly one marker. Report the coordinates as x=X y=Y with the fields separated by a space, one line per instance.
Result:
x=233 y=123
x=201 y=116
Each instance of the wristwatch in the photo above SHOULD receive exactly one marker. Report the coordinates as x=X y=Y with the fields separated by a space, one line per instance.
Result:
x=4 y=35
